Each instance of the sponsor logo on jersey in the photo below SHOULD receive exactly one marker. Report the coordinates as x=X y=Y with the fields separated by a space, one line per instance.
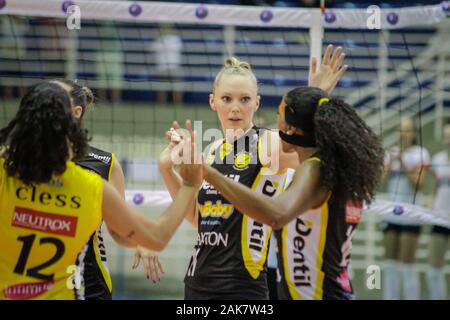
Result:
x=210 y=188
x=26 y=193
x=27 y=290
x=270 y=188
x=242 y=160
x=353 y=213
x=225 y=150
x=215 y=239
x=300 y=270
x=44 y=222
x=257 y=237
x=105 y=159
x=216 y=210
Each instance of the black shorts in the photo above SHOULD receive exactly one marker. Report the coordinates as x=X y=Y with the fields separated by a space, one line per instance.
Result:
x=272 y=283
x=95 y=287
x=194 y=294
x=399 y=228
x=440 y=230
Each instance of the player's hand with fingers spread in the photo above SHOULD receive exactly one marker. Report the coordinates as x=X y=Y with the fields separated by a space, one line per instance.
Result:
x=330 y=71
x=191 y=168
x=152 y=266
x=175 y=136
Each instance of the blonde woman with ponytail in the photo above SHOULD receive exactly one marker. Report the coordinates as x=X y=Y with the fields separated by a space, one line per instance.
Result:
x=229 y=260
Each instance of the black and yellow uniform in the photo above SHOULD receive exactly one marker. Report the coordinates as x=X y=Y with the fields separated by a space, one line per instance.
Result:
x=44 y=230
x=314 y=251
x=229 y=261
x=98 y=284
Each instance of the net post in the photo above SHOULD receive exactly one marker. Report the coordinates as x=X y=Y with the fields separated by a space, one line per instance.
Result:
x=71 y=52
x=229 y=35
x=316 y=36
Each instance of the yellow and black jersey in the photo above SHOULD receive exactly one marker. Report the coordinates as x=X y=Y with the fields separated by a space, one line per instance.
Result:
x=44 y=230
x=314 y=251
x=98 y=284
x=229 y=261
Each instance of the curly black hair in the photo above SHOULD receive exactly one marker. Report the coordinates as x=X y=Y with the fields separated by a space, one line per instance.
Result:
x=37 y=139
x=351 y=153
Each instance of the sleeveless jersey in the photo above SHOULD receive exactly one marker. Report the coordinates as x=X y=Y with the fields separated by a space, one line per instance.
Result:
x=44 y=230
x=314 y=252
x=229 y=259
x=98 y=284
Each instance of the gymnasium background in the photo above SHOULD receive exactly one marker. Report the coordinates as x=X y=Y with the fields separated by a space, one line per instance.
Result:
x=401 y=69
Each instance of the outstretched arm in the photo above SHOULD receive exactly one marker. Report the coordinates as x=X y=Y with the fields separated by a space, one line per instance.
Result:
x=153 y=234
x=117 y=180
x=303 y=194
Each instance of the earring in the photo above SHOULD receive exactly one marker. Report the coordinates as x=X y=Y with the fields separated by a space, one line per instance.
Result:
x=289 y=131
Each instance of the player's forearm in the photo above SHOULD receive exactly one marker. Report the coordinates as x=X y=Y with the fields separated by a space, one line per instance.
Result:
x=173 y=183
x=256 y=206
x=127 y=243
x=172 y=180
x=171 y=219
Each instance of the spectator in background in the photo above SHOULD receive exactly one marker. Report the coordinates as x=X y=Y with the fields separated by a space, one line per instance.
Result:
x=439 y=237
x=109 y=60
x=168 y=48
x=406 y=166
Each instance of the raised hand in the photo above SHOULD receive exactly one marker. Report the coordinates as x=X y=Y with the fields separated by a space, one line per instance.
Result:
x=191 y=168
x=330 y=71
x=175 y=136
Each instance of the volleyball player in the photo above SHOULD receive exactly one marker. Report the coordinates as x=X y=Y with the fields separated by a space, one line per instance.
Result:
x=98 y=283
x=341 y=164
x=229 y=260
x=51 y=207
x=439 y=237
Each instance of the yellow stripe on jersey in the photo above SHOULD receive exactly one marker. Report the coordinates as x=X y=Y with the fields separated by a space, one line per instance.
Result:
x=313 y=159
x=260 y=150
x=254 y=268
x=255 y=264
x=287 y=276
x=102 y=265
x=113 y=159
x=323 y=235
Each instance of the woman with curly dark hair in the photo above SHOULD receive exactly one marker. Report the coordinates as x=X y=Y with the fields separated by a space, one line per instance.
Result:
x=50 y=207
x=341 y=165
x=98 y=281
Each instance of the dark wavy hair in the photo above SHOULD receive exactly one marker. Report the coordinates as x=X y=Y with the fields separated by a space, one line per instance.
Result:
x=351 y=153
x=36 y=140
